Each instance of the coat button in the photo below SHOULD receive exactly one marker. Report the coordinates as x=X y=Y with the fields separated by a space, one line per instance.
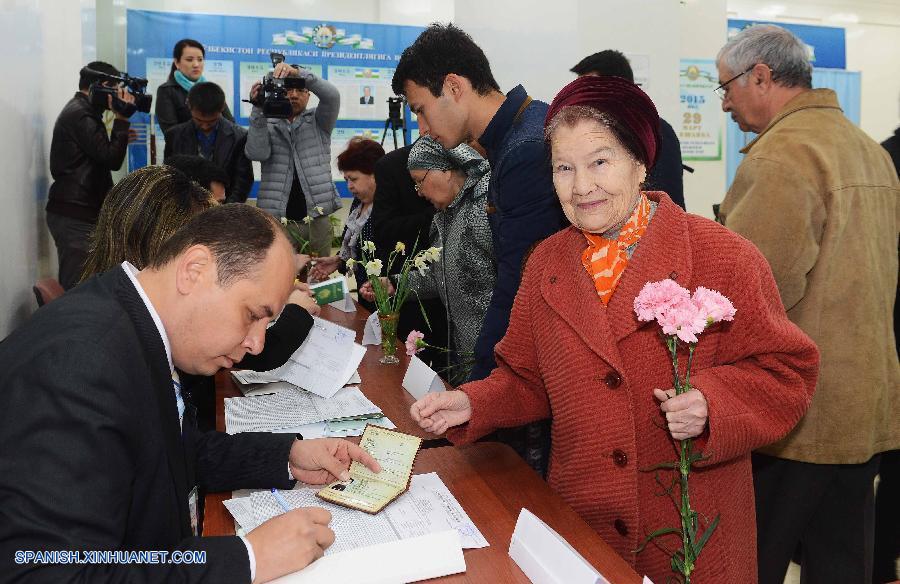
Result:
x=619 y=457
x=621 y=528
x=553 y=279
x=673 y=275
x=613 y=380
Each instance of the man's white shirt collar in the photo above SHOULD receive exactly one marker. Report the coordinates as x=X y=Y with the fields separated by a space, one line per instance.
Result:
x=132 y=275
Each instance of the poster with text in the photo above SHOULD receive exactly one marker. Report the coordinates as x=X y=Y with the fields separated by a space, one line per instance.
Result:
x=699 y=129
x=358 y=58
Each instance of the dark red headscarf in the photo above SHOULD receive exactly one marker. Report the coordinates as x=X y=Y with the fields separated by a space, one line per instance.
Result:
x=621 y=100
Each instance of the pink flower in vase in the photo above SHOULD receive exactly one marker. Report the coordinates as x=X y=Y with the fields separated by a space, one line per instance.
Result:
x=413 y=340
x=713 y=306
x=656 y=298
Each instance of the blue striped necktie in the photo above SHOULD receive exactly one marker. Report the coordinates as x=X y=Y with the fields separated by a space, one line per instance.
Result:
x=176 y=382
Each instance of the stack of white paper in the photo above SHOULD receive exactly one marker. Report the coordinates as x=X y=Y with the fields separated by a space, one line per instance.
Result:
x=293 y=407
x=397 y=562
x=325 y=362
x=428 y=507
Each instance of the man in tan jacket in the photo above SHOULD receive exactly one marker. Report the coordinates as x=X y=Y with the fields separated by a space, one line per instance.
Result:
x=819 y=198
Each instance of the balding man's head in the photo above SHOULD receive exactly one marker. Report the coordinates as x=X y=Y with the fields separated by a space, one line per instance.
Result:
x=220 y=280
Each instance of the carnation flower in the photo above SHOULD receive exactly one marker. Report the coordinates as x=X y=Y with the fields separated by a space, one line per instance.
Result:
x=683 y=319
x=400 y=247
x=320 y=210
x=368 y=246
x=307 y=219
x=656 y=297
x=713 y=306
x=414 y=342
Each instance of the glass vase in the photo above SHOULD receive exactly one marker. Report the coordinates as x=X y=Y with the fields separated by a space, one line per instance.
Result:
x=389 y=338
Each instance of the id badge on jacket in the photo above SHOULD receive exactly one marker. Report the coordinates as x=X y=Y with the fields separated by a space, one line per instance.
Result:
x=193 y=510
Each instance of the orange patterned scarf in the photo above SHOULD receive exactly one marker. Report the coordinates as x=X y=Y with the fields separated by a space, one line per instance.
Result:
x=605 y=259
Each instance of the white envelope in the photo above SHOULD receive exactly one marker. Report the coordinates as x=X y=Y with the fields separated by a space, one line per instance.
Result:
x=405 y=560
x=547 y=558
x=345 y=304
x=421 y=379
x=372 y=330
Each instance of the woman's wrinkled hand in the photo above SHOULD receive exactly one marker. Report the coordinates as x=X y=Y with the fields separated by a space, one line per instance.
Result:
x=438 y=412
x=686 y=414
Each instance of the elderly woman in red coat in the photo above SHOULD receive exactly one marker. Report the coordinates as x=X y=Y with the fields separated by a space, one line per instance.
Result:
x=576 y=353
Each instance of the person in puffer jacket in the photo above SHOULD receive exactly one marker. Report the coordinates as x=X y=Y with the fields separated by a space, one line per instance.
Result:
x=295 y=154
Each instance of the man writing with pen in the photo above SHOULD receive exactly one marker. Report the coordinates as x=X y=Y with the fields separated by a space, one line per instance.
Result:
x=98 y=450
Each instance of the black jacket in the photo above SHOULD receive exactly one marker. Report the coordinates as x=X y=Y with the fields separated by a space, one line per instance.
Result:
x=228 y=153
x=82 y=156
x=91 y=455
x=171 y=106
x=667 y=174
x=400 y=214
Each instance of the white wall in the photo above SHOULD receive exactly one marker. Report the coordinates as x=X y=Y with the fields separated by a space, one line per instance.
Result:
x=873 y=47
x=408 y=12
x=703 y=32
x=42 y=52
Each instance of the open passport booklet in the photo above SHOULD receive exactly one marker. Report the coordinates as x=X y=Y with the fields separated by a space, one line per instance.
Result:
x=366 y=491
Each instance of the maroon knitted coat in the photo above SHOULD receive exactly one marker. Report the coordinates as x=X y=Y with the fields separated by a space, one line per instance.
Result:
x=592 y=368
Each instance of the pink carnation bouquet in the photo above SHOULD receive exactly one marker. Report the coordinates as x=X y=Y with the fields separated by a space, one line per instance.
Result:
x=682 y=316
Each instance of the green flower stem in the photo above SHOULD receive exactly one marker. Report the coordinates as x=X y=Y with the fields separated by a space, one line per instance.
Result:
x=685 y=448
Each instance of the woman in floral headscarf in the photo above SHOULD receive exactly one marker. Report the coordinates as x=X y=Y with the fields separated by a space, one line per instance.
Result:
x=456 y=183
x=576 y=353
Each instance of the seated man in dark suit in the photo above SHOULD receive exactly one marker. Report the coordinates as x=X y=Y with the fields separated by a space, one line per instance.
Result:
x=667 y=174
x=210 y=135
x=98 y=450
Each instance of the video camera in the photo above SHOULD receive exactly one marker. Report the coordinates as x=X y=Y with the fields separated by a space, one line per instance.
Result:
x=272 y=94
x=395 y=110
x=137 y=87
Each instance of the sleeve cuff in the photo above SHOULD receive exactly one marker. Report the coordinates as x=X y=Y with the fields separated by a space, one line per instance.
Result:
x=251 y=556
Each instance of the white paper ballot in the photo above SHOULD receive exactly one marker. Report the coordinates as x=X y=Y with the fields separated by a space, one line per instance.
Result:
x=372 y=330
x=323 y=364
x=547 y=558
x=431 y=507
x=421 y=379
x=345 y=304
x=647 y=580
x=428 y=507
x=409 y=560
x=257 y=389
x=336 y=429
x=247 y=377
x=293 y=407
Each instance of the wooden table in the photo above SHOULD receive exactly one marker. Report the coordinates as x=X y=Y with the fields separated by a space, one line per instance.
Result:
x=489 y=480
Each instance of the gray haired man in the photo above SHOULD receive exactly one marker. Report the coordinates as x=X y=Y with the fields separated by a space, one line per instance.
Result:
x=819 y=199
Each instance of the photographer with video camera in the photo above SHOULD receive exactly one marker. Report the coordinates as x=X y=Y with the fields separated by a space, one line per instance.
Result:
x=82 y=158
x=293 y=144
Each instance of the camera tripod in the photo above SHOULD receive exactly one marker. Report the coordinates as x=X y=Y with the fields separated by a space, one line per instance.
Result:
x=394 y=121
x=394 y=125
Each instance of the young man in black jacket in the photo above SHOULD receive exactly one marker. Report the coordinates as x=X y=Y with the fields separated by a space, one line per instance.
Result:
x=82 y=158
x=210 y=135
